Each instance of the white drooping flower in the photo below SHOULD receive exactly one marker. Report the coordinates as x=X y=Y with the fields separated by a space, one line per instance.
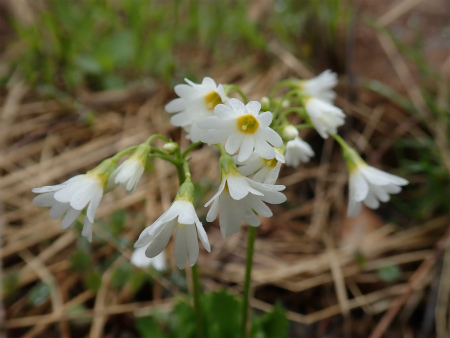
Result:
x=368 y=185
x=241 y=199
x=325 y=117
x=130 y=171
x=243 y=128
x=195 y=102
x=321 y=86
x=181 y=216
x=297 y=151
x=139 y=259
x=265 y=170
x=72 y=196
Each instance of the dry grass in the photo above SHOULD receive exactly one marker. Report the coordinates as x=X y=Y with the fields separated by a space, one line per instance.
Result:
x=305 y=255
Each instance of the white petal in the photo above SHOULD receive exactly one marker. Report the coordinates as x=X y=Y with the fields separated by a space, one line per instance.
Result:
x=93 y=205
x=181 y=254
x=254 y=107
x=58 y=209
x=262 y=148
x=221 y=187
x=234 y=142
x=379 y=177
x=175 y=105
x=358 y=186
x=212 y=213
x=192 y=244
x=354 y=208
x=371 y=201
x=272 y=137
x=160 y=241
x=202 y=235
x=246 y=148
x=69 y=218
x=87 y=229
x=230 y=216
x=45 y=200
x=237 y=187
x=187 y=214
x=265 y=119
x=184 y=90
x=238 y=106
x=209 y=82
x=225 y=112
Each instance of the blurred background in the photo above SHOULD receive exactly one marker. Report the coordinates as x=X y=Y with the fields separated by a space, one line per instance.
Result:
x=82 y=80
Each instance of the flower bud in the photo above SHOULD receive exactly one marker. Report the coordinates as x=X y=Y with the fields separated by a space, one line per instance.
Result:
x=170 y=147
x=289 y=132
x=265 y=103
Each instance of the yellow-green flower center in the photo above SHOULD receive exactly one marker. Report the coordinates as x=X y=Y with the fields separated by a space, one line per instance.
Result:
x=180 y=225
x=270 y=163
x=247 y=124
x=212 y=99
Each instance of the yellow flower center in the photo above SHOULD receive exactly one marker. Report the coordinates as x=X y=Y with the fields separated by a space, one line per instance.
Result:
x=180 y=225
x=212 y=99
x=248 y=124
x=270 y=163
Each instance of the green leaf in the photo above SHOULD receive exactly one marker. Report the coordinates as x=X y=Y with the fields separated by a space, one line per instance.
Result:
x=93 y=281
x=223 y=311
x=389 y=273
x=149 y=328
x=39 y=294
x=117 y=222
x=121 y=276
x=80 y=261
x=273 y=324
x=10 y=282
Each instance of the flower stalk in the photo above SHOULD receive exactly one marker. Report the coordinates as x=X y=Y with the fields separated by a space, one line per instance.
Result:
x=247 y=282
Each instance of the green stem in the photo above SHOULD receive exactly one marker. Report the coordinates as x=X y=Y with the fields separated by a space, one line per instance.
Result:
x=239 y=91
x=341 y=142
x=190 y=148
x=279 y=85
x=248 y=276
x=304 y=126
x=197 y=301
x=156 y=136
x=116 y=157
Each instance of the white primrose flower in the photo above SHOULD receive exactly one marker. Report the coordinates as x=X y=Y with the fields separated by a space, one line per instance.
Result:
x=195 y=102
x=298 y=151
x=72 y=196
x=241 y=199
x=325 y=117
x=139 y=259
x=182 y=216
x=265 y=170
x=130 y=171
x=242 y=127
x=368 y=185
x=321 y=86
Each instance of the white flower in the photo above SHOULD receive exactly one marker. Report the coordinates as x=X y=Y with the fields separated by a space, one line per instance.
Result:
x=139 y=259
x=130 y=171
x=181 y=215
x=298 y=151
x=72 y=196
x=265 y=170
x=243 y=127
x=239 y=199
x=321 y=86
x=195 y=102
x=368 y=184
x=325 y=117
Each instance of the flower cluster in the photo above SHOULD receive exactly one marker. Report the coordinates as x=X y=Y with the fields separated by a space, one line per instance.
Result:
x=252 y=154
